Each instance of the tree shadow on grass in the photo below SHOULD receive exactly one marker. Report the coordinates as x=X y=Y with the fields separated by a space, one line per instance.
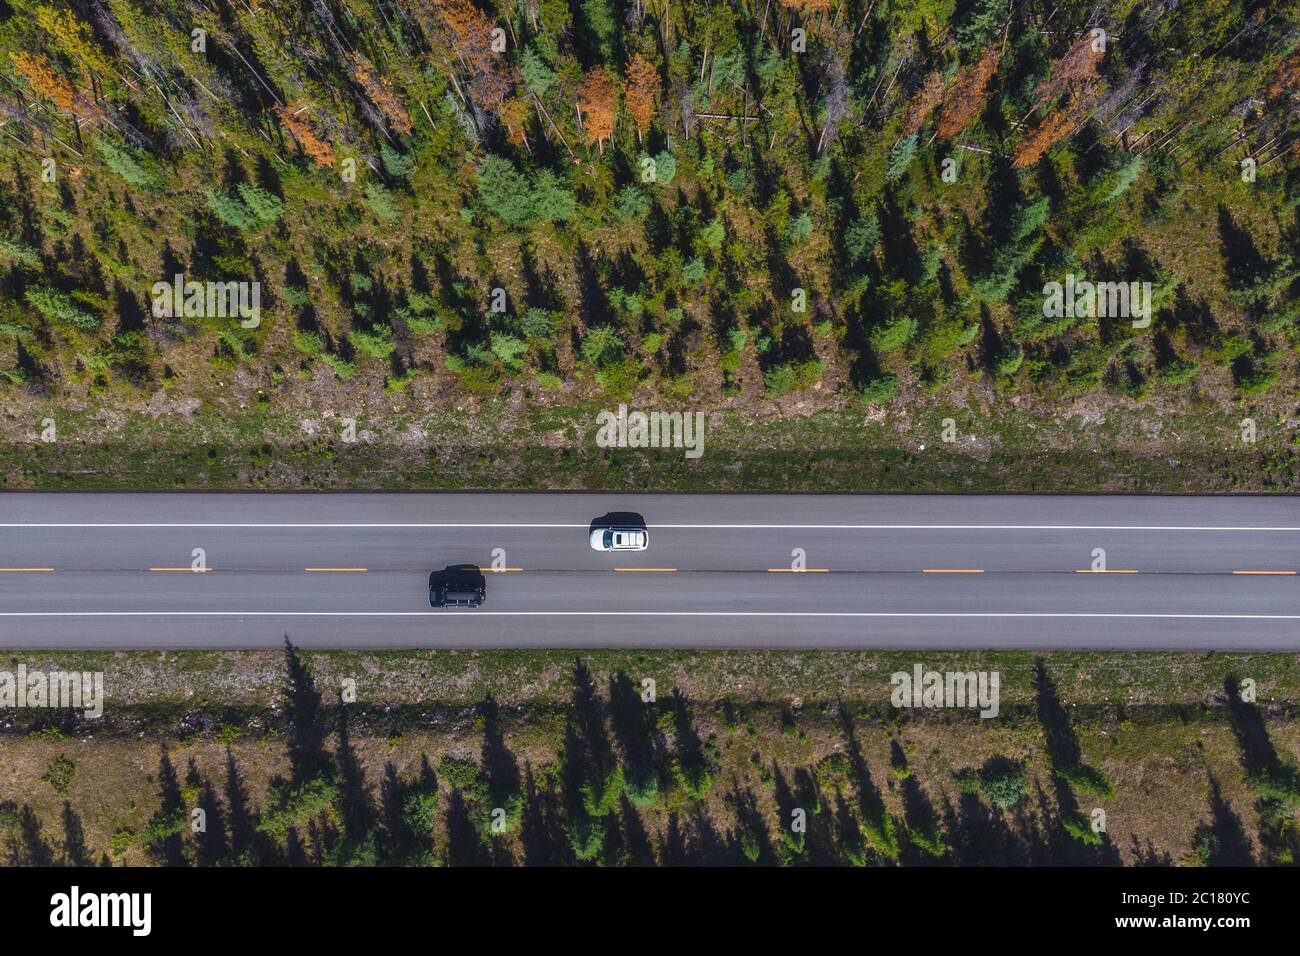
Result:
x=308 y=757
x=1222 y=841
x=500 y=767
x=211 y=845
x=923 y=843
x=633 y=725
x=27 y=845
x=540 y=830
x=167 y=826
x=75 y=852
x=750 y=839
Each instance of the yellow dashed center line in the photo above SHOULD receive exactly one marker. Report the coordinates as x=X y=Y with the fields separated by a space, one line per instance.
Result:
x=500 y=570
x=27 y=569
x=1263 y=572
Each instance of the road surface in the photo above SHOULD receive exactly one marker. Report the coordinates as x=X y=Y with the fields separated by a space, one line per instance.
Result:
x=114 y=570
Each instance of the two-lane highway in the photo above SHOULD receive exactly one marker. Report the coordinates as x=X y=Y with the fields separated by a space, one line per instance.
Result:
x=351 y=570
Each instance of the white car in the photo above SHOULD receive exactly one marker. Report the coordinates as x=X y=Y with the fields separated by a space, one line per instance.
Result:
x=620 y=539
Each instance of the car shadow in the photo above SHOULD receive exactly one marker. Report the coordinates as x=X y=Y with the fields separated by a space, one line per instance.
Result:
x=618 y=519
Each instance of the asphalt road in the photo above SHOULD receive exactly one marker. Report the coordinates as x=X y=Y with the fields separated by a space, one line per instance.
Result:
x=113 y=570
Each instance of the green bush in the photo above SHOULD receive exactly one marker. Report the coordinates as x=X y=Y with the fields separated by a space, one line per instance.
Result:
x=60 y=308
x=602 y=345
x=1005 y=782
x=380 y=201
x=377 y=342
x=880 y=389
x=59 y=773
x=1080 y=827
x=1088 y=780
x=288 y=806
x=129 y=164
x=893 y=333
x=586 y=837
x=20 y=253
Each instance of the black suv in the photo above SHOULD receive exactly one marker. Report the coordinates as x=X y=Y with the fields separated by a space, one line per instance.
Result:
x=460 y=585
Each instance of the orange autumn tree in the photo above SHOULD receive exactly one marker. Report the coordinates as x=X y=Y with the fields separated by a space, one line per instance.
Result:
x=923 y=104
x=597 y=100
x=642 y=87
x=1044 y=136
x=381 y=95
x=47 y=83
x=1077 y=68
x=968 y=94
x=469 y=36
x=294 y=119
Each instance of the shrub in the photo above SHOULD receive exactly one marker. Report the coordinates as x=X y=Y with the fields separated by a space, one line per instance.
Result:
x=631 y=204
x=861 y=237
x=602 y=345
x=120 y=842
x=1004 y=782
x=291 y=806
x=508 y=349
x=19 y=252
x=396 y=164
x=59 y=773
x=128 y=164
x=880 y=389
x=1088 y=780
x=459 y=773
x=264 y=206
x=900 y=157
x=377 y=342
x=552 y=199
x=505 y=192
x=586 y=837
x=893 y=333
x=1080 y=827
x=539 y=323
x=621 y=377
x=380 y=201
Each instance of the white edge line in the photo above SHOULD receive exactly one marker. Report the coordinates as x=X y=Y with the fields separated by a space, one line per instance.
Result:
x=472 y=613
x=825 y=527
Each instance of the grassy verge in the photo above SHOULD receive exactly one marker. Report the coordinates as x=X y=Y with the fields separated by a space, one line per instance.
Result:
x=1126 y=449
x=1182 y=765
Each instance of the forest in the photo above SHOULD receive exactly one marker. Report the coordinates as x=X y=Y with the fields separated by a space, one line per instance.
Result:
x=738 y=758
x=705 y=204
